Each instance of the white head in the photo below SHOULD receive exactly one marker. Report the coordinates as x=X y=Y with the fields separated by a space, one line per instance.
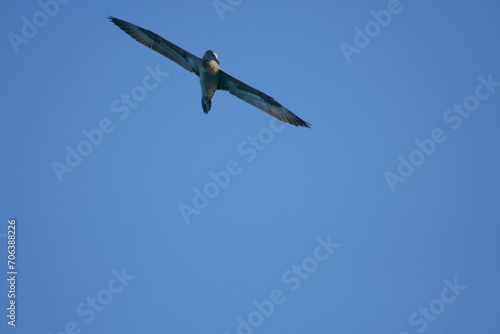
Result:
x=211 y=55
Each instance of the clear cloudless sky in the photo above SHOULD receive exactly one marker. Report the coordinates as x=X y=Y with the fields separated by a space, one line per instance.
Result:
x=382 y=218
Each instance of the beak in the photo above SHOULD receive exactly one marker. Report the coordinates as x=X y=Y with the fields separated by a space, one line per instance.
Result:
x=217 y=60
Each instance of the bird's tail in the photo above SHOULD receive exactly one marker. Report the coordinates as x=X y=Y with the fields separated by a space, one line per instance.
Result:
x=206 y=103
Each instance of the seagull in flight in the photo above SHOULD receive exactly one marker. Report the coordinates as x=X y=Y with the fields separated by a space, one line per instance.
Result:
x=212 y=77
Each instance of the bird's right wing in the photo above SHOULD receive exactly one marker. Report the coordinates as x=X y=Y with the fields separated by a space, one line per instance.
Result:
x=159 y=44
x=258 y=99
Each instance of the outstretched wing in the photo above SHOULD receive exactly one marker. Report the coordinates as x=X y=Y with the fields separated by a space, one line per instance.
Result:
x=159 y=44
x=258 y=99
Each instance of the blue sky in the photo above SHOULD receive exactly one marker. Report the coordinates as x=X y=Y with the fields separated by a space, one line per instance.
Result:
x=382 y=218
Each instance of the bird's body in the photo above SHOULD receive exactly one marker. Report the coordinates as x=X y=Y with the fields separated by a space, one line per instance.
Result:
x=212 y=77
x=209 y=79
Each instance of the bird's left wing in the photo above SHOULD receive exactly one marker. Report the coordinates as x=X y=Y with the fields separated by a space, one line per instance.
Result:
x=159 y=44
x=258 y=99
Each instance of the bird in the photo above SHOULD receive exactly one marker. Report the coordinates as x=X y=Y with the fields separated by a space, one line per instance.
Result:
x=212 y=77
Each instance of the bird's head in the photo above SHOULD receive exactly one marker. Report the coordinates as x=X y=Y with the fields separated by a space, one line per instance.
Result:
x=211 y=55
